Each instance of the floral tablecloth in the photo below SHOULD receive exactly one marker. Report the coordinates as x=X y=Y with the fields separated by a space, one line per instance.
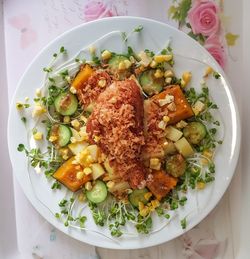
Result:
x=30 y=25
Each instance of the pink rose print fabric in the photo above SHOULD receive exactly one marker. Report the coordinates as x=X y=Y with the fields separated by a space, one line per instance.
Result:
x=27 y=34
x=215 y=48
x=203 y=18
x=94 y=10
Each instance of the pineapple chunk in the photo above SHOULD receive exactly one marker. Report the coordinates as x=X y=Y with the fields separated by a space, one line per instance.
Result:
x=173 y=133
x=183 y=146
x=77 y=147
x=97 y=171
x=94 y=152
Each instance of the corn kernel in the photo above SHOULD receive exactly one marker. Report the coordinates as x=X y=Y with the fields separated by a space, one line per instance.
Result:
x=19 y=106
x=38 y=92
x=168 y=80
x=145 y=211
x=122 y=65
x=158 y=73
x=183 y=83
x=84 y=119
x=162 y=125
x=72 y=90
x=65 y=157
x=186 y=76
x=73 y=140
x=81 y=197
x=155 y=203
x=102 y=83
x=127 y=63
x=38 y=136
x=38 y=110
x=87 y=170
x=66 y=119
x=53 y=138
x=140 y=205
x=106 y=54
x=154 y=161
x=153 y=64
x=168 y=73
x=162 y=58
x=89 y=159
x=181 y=124
x=148 y=195
x=166 y=119
x=88 y=186
x=208 y=71
x=97 y=138
x=110 y=184
x=75 y=123
x=200 y=185
x=79 y=175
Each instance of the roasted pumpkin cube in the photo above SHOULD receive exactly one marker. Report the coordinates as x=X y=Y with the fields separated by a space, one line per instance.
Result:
x=161 y=184
x=182 y=109
x=67 y=175
x=83 y=75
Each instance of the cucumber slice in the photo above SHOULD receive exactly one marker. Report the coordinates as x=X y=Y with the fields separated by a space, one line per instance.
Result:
x=114 y=67
x=149 y=83
x=176 y=165
x=66 y=103
x=115 y=61
x=98 y=193
x=137 y=196
x=194 y=132
x=64 y=135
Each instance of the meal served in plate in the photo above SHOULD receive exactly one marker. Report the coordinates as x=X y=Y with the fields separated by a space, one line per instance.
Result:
x=125 y=135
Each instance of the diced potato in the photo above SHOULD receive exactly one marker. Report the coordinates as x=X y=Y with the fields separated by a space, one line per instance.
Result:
x=97 y=171
x=67 y=175
x=183 y=109
x=94 y=152
x=85 y=72
x=173 y=133
x=161 y=184
x=183 y=146
x=119 y=187
x=77 y=147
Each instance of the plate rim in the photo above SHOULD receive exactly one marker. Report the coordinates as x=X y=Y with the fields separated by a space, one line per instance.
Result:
x=236 y=147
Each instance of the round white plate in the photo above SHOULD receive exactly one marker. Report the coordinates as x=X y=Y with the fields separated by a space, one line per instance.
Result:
x=155 y=36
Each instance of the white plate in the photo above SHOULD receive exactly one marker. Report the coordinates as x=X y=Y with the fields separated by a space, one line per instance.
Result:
x=155 y=35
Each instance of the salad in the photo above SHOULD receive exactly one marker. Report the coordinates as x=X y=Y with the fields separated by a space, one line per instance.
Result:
x=124 y=134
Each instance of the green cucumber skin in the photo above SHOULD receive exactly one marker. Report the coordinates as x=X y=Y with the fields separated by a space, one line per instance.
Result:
x=194 y=132
x=149 y=84
x=115 y=60
x=176 y=165
x=98 y=193
x=71 y=107
x=137 y=196
x=64 y=134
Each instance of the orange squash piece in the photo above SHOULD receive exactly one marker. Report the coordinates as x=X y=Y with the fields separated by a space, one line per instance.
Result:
x=82 y=76
x=161 y=184
x=183 y=109
x=66 y=174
